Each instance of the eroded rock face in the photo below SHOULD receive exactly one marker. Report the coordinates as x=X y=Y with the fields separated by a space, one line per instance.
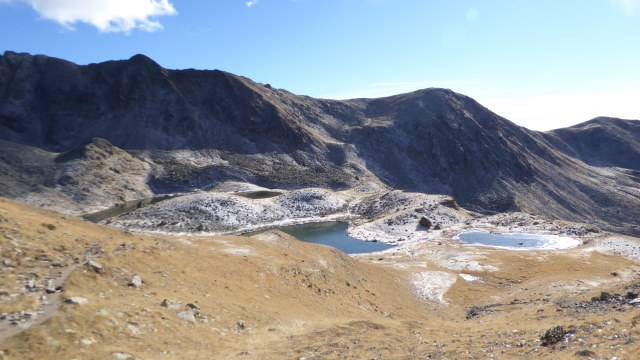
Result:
x=200 y=128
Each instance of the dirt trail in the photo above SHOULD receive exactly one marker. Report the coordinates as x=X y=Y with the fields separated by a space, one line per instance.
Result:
x=48 y=305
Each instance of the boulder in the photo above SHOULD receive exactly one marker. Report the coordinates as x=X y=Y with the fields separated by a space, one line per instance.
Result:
x=450 y=203
x=554 y=336
x=136 y=281
x=93 y=265
x=425 y=222
x=187 y=316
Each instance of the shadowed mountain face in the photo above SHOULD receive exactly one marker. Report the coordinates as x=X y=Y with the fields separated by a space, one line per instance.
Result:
x=601 y=142
x=197 y=128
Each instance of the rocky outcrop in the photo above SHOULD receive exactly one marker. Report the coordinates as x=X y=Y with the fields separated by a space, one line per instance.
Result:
x=91 y=177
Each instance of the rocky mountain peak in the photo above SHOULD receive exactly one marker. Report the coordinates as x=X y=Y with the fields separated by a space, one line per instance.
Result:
x=143 y=62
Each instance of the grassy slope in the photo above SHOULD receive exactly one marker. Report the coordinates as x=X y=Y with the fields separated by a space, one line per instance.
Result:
x=296 y=299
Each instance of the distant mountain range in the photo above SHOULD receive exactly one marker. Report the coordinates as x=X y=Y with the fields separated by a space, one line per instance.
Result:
x=184 y=130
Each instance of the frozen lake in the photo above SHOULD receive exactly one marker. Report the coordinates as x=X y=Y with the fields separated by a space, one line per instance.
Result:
x=516 y=241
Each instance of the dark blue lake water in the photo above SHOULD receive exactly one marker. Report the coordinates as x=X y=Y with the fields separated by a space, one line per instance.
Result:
x=333 y=234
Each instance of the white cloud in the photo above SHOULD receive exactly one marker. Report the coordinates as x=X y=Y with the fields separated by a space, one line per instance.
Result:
x=629 y=7
x=251 y=3
x=105 y=15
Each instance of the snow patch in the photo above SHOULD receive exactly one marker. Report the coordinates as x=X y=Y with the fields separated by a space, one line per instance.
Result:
x=470 y=278
x=238 y=251
x=619 y=246
x=463 y=262
x=432 y=285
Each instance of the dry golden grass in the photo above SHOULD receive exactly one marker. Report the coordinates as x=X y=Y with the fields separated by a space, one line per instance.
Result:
x=272 y=297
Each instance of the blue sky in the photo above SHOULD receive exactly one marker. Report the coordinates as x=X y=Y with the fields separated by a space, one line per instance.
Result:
x=542 y=64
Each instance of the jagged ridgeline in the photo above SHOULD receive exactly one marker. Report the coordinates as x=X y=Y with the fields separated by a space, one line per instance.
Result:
x=183 y=130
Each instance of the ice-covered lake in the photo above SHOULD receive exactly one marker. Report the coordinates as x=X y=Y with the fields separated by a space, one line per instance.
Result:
x=518 y=241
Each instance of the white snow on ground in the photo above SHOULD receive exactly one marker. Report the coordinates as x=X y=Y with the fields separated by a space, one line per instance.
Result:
x=238 y=251
x=470 y=278
x=464 y=262
x=553 y=242
x=219 y=212
x=393 y=217
x=234 y=186
x=617 y=245
x=310 y=202
x=432 y=285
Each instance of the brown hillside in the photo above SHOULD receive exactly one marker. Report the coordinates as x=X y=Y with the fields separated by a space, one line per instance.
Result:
x=273 y=297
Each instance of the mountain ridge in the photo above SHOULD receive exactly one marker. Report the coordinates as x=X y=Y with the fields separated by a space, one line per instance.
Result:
x=431 y=140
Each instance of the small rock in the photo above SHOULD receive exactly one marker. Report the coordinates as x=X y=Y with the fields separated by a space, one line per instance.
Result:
x=52 y=342
x=585 y=353
x=437 y=227
x=87 y=341
x=187 y=316
x=553 y=336
x=76 y=300
x=121 y=356
x=134 y=330
x=635 y=301
x=171 y=304
x=59 y=263
x=32 y=284
x=241 y=325
x=93 y=265
x=136 y=281
x=193 y=306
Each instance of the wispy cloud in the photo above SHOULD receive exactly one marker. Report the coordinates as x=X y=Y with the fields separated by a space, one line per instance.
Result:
x=251 y=3
x=629 y=7
x=105 y=15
